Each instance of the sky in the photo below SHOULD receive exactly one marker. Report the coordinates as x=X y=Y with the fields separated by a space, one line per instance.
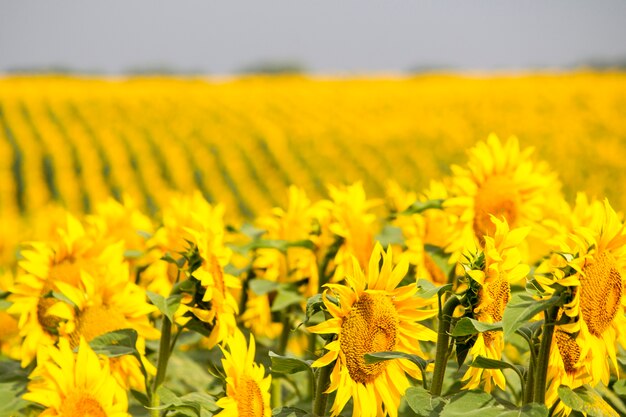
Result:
x=324 y=36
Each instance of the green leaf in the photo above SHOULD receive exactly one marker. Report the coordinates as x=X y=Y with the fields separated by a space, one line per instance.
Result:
x=467 y=326
x=529 y=410
x=427 y=289
x=308 y=244
x=185 y=286
x=488 y=363
x=385 y=356
x=586 y=400
x=4 y=305
x=284 y=299
x=421 y=206
x=251 y=231
x=170 y=259
x=201 y=399
x=472 y=404
x=390 y=235
x=189 y=405
x=116 y=343
x=313 y=305
x=288 y=365
x=141 y=397
x=11 y=399
x=422 y=402
x=522 y=308
x=132 y=254
x=262 y=286
x=289 y=412
x=167 y=306
x=619 y=387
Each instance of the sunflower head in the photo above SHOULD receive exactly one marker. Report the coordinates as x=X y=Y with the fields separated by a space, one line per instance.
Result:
x=247 y=387
x=80 y=384
x=372 y=314
x=588 y=268
x=353 y=222
x=501 y=180
x=490 y=272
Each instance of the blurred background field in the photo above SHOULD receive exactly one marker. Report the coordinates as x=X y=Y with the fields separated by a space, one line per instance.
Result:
x=241 y=141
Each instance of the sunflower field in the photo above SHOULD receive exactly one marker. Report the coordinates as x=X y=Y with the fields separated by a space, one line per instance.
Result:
x=436 y=245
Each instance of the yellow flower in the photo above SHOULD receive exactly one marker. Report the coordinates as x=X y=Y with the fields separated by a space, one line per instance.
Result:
x=296 y=223
x=296 y=265
x=373 y=315
x=503 y=181
x=430 y=227
x=62 y=261
x=352 y=220
x=491 y=279
x=247 y=387
x=219 y=307
x=72 y=385
x=122 y=221
x=590 y=263
x=99 y=307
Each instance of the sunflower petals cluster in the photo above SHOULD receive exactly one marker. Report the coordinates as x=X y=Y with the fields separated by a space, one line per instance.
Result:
x=490 y=271
x=373 y=314
x=588 y=269
x=75 y=384
x=76 y=285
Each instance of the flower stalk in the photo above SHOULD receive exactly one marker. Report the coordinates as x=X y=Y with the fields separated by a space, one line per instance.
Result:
x=543 y=357
x=443 y=342
x=164 y=355
x=321 y=397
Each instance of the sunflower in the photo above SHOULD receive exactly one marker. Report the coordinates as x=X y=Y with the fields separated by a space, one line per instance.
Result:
x=296 y=223
x=247 y=387
x=73 y=250
x=81 y=384
x=373 y=315
x=430 y=227
x=218 y=306
x=122 y=222
x=181 y=217
x=590 y=263
x=99 y=307
x=491 y=272
x=351 y=219
x=297 y=265
x=501 y=180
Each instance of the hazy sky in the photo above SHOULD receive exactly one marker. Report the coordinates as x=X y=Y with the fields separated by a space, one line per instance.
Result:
x=323 y=35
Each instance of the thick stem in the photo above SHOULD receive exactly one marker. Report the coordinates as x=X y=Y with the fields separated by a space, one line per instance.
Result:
x=541 y=370
x=443 y=342
x=281 y=348
x=323 y=380
x=530 y=380
x=164 y=356
x=284 y=335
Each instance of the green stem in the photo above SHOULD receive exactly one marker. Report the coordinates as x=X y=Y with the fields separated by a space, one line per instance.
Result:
x=443 y=342
x=284 y=335
x=276 y=398
x=530 y=380
x=541 y=370
x=164 y=355
x=321 y=398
